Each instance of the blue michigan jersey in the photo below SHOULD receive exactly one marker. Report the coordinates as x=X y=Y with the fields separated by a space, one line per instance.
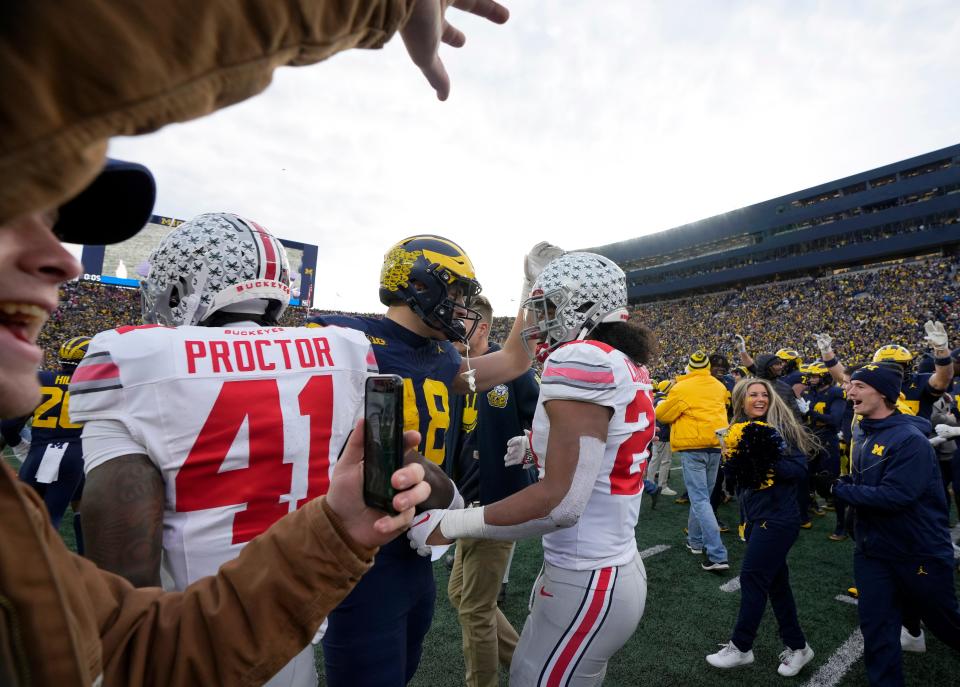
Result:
x=918 y=395
x=375 y=636
x=428 y=368
x=54 y=465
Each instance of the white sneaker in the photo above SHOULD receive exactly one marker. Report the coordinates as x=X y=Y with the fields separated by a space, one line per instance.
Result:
x=792 y=661
x=730 y=657
x=908 y=642
x=667 y=491
x=697 y=551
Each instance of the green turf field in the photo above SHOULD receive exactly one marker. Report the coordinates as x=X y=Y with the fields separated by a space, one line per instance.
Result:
x=688 y=615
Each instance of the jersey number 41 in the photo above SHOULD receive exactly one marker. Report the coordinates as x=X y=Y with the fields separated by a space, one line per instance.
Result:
x=200 y=484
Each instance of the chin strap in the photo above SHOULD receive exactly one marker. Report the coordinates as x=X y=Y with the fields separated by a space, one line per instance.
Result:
x=470 y=376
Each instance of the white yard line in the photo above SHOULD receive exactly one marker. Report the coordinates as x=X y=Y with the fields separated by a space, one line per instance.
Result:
x=653 y=551
x=731 y=586
x=831 y=672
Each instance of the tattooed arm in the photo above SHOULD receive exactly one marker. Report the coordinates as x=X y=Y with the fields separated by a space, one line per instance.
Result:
x=123 y=518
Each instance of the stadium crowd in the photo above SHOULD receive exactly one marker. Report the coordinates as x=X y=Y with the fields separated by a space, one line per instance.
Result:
x=777 y=314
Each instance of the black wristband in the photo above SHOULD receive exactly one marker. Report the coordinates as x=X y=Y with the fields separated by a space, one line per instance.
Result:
x=831 y=362
x=944 y=361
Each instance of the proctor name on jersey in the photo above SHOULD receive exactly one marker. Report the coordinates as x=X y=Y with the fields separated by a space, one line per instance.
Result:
x=248 y=355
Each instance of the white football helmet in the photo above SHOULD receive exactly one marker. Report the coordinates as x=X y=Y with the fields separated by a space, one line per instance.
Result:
x=216 y=261
x=574 y=293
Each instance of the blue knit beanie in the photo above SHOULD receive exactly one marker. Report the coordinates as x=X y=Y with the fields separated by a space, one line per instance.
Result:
x=886 y=380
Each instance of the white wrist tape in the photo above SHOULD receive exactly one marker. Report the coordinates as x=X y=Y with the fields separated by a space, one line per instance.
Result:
x=470 y=522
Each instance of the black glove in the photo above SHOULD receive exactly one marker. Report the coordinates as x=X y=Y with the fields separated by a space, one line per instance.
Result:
x=823 y=483
x=842 y=479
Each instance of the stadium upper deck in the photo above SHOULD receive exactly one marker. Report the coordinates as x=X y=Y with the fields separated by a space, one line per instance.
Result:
x=907 y=208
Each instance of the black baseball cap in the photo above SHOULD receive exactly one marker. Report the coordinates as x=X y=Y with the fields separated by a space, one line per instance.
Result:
x=114 y=207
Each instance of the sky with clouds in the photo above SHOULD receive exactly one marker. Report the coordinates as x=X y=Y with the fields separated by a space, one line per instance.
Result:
x=578 y=122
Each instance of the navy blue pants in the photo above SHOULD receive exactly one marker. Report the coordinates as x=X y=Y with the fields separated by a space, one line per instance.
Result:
x=68 y=486
x=764 y=574
x=924 y=585
x=375 y=636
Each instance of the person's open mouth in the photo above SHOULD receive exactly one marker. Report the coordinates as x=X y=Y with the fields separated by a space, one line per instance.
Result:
x=23 y=321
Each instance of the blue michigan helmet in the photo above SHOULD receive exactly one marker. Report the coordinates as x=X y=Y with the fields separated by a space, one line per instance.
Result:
x=73 y=350
x=435 y=278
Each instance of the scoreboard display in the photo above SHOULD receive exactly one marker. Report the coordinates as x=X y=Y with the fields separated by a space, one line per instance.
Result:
x=122 y=264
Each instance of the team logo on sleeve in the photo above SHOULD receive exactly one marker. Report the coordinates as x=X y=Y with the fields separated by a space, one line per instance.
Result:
x=498 y=396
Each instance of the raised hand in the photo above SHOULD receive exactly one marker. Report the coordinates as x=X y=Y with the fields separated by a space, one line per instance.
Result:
x=936 y=335
x=428 y=27
x=824 y=343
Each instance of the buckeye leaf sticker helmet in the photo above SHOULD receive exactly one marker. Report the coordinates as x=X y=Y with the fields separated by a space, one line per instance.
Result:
x=435 y=278
x=215 y=261
x=574 y=293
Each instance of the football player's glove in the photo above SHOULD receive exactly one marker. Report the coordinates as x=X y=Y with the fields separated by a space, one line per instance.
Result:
x=947 y=431
x=803 y=405
x=824 y=343
x=936 y=335
x=534 y=262
x=740 y=343
x=520 y=452
x=423 y=526
x=936 y=441
x=21 y=450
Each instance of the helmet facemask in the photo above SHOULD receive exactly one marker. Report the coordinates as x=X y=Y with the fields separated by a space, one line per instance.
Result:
x=444 y=304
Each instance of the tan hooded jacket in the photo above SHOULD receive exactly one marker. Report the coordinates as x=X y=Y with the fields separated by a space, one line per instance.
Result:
x=74 y=74
x=65 y=622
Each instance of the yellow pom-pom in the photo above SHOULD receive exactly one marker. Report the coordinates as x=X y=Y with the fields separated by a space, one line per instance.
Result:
x=735 y=432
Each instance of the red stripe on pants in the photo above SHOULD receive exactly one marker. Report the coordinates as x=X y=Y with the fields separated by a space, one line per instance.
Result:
x=584 y=629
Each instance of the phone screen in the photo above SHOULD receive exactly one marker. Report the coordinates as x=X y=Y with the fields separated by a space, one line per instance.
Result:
x=383 y=439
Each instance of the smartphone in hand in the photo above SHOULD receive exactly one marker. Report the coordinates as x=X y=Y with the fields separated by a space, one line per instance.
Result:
x=382 y=439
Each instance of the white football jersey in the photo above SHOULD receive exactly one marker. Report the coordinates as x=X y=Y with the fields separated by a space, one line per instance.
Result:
x=594 y=372
x=244 y=422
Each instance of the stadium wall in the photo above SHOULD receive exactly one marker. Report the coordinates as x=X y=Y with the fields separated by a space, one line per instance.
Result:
x=918 y=197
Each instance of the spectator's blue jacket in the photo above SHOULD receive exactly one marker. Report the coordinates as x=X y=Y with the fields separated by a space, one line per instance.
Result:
x=777 y=503
x=827 y=408
x=499 y=414
x=900 y=506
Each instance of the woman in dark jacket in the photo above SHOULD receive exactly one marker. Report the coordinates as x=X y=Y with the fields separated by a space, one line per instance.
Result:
x=766 y=447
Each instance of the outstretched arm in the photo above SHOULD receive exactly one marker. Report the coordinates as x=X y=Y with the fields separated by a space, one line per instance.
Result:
x=122 y=75
x=575 y=449
x=829 y=358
